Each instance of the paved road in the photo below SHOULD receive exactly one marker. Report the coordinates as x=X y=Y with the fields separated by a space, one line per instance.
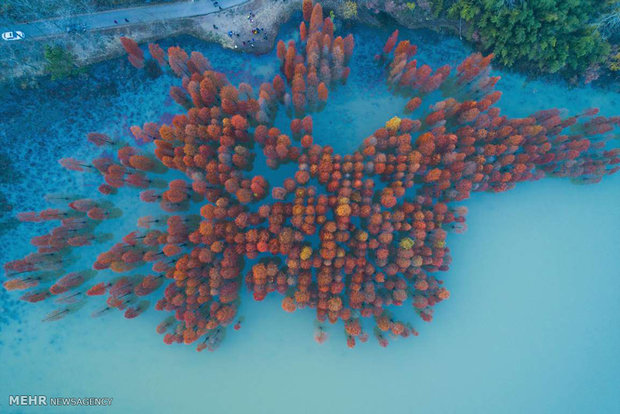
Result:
x=105 y=19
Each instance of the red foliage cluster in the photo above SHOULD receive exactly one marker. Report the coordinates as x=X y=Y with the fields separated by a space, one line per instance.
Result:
x=318 y=62
x=134 y=53
x=347 y=235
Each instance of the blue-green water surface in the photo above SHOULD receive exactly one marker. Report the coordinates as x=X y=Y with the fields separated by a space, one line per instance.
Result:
x=532 y=324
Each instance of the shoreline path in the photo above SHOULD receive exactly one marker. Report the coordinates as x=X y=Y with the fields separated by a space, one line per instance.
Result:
x=135 y=15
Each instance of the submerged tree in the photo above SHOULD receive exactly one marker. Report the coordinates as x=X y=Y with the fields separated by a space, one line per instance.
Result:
x=348 y=235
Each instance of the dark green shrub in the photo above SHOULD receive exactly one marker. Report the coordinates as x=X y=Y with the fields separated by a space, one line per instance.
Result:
x=60 y=63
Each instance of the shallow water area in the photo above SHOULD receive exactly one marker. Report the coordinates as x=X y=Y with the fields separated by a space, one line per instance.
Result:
x=531 y=324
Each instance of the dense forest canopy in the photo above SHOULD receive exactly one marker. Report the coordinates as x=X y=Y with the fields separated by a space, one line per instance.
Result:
x=544 y=35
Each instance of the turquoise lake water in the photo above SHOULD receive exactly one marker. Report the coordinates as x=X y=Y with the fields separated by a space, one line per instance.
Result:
x=532 y=324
